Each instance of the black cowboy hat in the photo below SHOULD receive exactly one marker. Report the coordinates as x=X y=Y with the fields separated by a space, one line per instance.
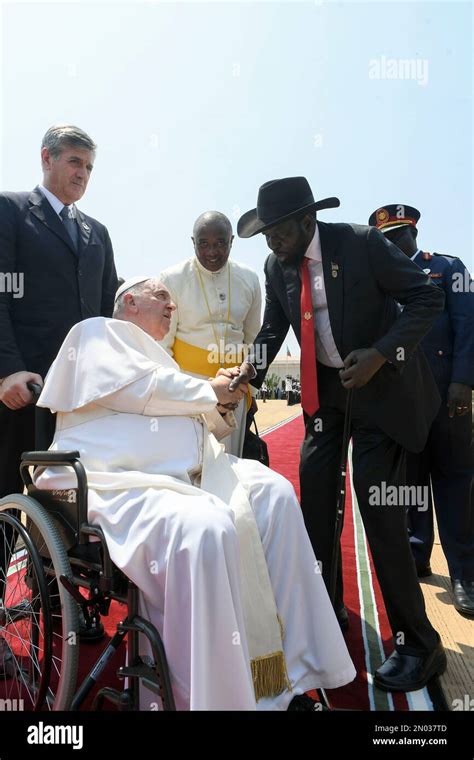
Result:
x=278 y=200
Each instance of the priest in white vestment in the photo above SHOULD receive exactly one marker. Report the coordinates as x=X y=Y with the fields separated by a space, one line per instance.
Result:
x=216 y=545
x=218 y=310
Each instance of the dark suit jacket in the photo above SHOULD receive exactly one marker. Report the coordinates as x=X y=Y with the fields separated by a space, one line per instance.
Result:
x=60 y=287
x=373 y=275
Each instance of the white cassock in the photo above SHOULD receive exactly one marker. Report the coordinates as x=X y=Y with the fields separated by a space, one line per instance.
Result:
x=204 y=300
x=138 y=424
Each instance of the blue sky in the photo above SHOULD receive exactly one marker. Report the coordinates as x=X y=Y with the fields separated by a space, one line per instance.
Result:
x=194 y=105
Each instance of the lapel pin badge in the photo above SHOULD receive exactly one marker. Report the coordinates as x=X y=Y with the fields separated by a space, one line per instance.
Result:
x=86 y=226
x=334 y=269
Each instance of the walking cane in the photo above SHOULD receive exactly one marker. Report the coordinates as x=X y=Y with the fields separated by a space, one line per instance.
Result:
x=341 y=496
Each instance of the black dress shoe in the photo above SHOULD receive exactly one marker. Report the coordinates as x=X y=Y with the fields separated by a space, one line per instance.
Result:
x=303 y=703
x=463 y=594
x=424 y=571
x=19 y=611
x=7 y=660
x=91 y=630
x=343 y=619
x=404 y=672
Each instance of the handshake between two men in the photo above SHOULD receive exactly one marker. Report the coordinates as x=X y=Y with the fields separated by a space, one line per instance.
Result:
x=229 y=385
x=15 y=393
x=359 y=367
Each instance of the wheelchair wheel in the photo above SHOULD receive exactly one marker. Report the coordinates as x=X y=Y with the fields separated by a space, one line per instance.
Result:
x=39 y=623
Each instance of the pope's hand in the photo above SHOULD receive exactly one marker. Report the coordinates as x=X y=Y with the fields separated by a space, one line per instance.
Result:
x=14 y=392
x=220 y=385
x=224 y=408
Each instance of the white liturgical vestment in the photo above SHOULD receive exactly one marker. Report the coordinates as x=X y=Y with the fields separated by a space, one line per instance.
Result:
x=138 y=424
x=221 y=309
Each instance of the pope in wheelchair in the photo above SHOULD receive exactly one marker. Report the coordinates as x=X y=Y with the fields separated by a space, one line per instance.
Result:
x=216 y=545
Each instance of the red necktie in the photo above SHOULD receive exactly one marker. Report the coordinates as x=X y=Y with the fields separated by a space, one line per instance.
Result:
x=309 y=375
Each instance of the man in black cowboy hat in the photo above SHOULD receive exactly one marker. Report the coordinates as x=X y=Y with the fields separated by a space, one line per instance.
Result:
x=445 y=466
x=338 y=286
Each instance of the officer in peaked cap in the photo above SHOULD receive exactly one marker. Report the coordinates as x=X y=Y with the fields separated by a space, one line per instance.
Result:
x=448 y=458
x=394 y=217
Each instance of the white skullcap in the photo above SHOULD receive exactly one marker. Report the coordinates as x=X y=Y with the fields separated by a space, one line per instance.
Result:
x=131 y=283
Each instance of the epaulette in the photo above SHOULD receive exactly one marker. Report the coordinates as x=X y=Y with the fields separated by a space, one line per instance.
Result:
x=444 y=255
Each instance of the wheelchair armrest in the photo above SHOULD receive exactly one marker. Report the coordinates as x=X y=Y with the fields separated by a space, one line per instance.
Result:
x=60 y=459
x=50 y=456
x=96 y=530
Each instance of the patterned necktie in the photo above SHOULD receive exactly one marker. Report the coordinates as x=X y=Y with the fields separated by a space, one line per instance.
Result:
x=71 y=226
x=309 y=375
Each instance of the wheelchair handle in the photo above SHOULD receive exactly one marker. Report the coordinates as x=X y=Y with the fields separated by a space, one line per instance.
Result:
x=35 y=390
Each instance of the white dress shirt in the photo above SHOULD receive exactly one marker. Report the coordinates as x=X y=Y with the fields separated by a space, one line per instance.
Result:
x=326 y=351
x=56 y=203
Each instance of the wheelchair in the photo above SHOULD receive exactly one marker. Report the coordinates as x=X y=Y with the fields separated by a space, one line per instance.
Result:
x=50 y=553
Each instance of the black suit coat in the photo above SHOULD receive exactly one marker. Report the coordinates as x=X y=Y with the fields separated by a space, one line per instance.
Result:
x=60 y=286
x=372 y=276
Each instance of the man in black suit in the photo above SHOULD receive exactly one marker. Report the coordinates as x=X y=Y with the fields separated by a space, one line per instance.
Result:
x=57 y=268
x=358 y=338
